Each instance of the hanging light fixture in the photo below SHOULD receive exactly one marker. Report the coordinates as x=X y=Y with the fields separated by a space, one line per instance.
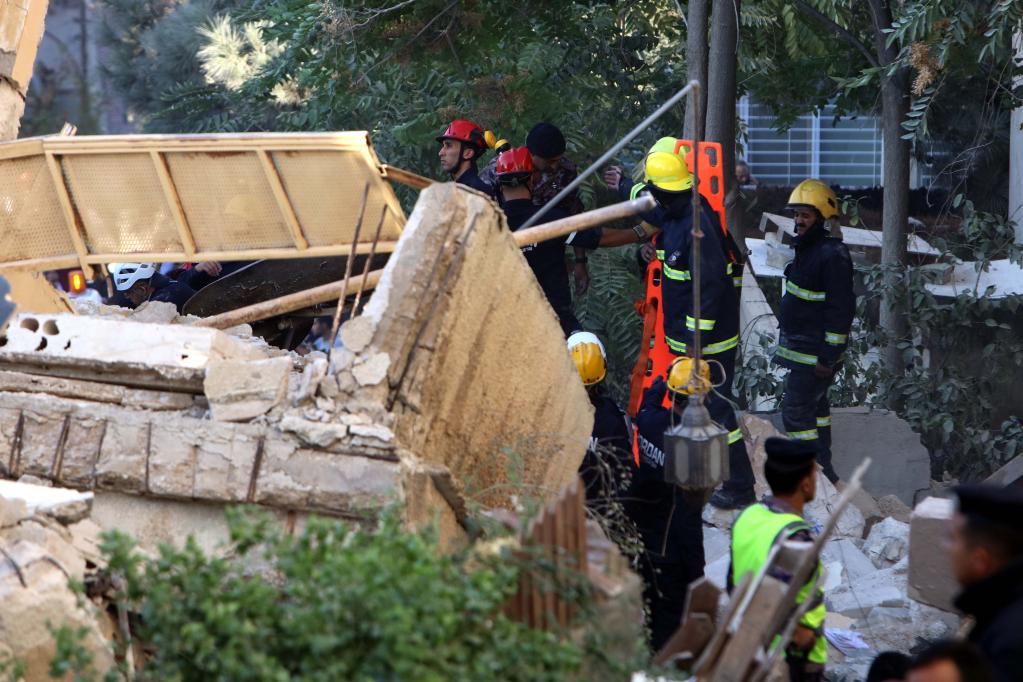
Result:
x=696 y=449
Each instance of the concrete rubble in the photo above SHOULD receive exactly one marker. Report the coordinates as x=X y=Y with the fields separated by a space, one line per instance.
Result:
x=433 y=403
x=886 y=578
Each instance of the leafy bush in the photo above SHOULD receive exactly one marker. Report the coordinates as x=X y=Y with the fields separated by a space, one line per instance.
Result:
x=337 y=601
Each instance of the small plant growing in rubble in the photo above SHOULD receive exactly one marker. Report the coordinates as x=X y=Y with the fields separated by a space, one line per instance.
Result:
x=336 y=601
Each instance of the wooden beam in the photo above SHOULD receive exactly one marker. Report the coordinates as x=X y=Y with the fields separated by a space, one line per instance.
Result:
x=583 y=221
x=405 y=177
x=287 y=304
x=170 y=194
x=74 y=226
x=273 y=176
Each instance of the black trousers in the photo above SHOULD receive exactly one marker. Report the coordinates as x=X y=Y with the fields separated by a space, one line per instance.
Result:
x=740 y=472
x=806 y=413
x=664 y=590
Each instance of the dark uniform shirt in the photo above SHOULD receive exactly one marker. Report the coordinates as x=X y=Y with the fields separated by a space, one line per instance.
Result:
x=164 y=289
x=546 y=185
x=996 y=603
x=670 y=525
x=818 y=303
x=609 y=456
x=470 y=178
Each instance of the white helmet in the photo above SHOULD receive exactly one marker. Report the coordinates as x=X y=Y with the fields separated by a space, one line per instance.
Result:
x=126 y=274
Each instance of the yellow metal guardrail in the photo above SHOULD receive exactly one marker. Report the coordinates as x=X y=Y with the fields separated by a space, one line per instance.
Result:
x=70 y=201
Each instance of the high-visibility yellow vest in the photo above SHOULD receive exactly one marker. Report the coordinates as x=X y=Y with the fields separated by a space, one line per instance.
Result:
x=753 y=536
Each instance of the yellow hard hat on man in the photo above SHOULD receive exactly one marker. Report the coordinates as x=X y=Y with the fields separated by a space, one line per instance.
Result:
x=589 y=357
x=681 y=379
x=814 y=193
x=666 y=170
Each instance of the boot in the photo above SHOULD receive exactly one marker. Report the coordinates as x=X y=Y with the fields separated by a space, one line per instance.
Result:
x=732 y=499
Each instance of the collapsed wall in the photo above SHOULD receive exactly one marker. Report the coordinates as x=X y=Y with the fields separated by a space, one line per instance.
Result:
x=454 y=382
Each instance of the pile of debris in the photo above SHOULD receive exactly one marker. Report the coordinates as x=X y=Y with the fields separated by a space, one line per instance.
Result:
x=877 y=598
x=448 y=391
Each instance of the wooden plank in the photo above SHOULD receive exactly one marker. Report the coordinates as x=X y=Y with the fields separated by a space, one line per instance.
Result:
x=753 y=633
x=690 y=639
x=565 y=557
x=53 y=263
x=21 y=382
x=74 y=227
x=243 y=254
x=170 y=195
x=273 y=176
x=405 y=177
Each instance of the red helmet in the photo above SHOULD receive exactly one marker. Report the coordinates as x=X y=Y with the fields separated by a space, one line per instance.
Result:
x=466 y=131
x=515 y=162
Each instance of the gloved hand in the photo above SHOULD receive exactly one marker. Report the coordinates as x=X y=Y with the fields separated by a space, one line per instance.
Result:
x=657 y=390
x=822 y=371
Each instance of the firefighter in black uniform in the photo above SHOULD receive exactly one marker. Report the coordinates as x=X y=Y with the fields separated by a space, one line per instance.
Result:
x=817 y=309
x=460 y=145
x=985 y=546
x=670 y=523
x=547 y=259
x=607 y=465
x=670 y=183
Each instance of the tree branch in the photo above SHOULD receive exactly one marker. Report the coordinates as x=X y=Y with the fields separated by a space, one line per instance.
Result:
x=839 y=30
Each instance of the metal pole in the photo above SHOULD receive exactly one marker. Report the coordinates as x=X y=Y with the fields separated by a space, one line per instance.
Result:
x=697 y=232
x=611 y=152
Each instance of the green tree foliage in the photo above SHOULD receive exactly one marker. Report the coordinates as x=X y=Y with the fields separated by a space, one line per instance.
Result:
x=337 y=601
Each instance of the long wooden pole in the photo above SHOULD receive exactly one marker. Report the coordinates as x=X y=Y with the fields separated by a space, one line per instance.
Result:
x=584 y=221
x=338 y=290
x=289 y=303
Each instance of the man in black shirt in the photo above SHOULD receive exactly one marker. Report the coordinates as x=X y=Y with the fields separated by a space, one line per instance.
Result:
x=547 y=259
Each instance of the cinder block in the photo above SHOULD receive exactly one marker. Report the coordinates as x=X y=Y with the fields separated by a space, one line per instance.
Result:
x=930 y=573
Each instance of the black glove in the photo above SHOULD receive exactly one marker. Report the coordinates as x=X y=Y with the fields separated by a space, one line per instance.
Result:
x=656 y=391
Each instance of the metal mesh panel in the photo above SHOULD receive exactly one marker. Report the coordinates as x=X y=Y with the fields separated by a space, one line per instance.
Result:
x=228 y=201
x=121 y=203
x=327 y=215
x=31 y=221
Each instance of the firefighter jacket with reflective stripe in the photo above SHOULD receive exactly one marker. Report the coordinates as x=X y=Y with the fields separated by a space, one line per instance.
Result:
x=817 y=304
x=754 y=534
x=719 y=303
x=671 y=527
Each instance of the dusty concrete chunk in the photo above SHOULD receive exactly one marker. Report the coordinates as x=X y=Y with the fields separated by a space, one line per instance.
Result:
x=155 y=312
x=930 y=575
x=12 y=510
x=225 y=458
x=172 y=455
x=357 y=333
x=881 y=588
x=381 y=433
x=240 y=390
x=312 y=374
x=715 y=544
x=372 y=370
x=42 y=435
x=817 y=512
x=122 y=458
x=887 y=543
x=314 y=433
x=81 y=448
x=854 y=562
x=892 y=507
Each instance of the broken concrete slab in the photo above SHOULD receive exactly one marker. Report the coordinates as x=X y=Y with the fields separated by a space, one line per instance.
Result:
x=892 y=507
x=154 y=312
x=241 y=390
x=817 y=512
x=930 y=573
x=888 y=543
x=1010 y=473
x=717 y=571
x=716 y=544
x=43 y=499
x=886 y=587
x=855 y=564
x=902 y=465
x=94 y=390
x=105 y=340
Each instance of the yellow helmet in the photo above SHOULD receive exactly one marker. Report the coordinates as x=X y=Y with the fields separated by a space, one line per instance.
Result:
x=681 y=379
x=589 y=357
x=667 y=171
x=814 y=194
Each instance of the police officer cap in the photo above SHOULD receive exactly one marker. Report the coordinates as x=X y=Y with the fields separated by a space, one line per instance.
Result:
x=992 y=503
x=789 y=454
x=546 y=141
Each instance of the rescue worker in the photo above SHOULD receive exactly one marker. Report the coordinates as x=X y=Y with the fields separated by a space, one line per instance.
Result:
x=461 y=144
x=950 y=661
x=816 y=312
x=986 y=552
x=553 y=171
x=670 y=183
x=669 y=522
x=792 y=476
x=607 y=465
x=514 y=172
x=137 y=283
